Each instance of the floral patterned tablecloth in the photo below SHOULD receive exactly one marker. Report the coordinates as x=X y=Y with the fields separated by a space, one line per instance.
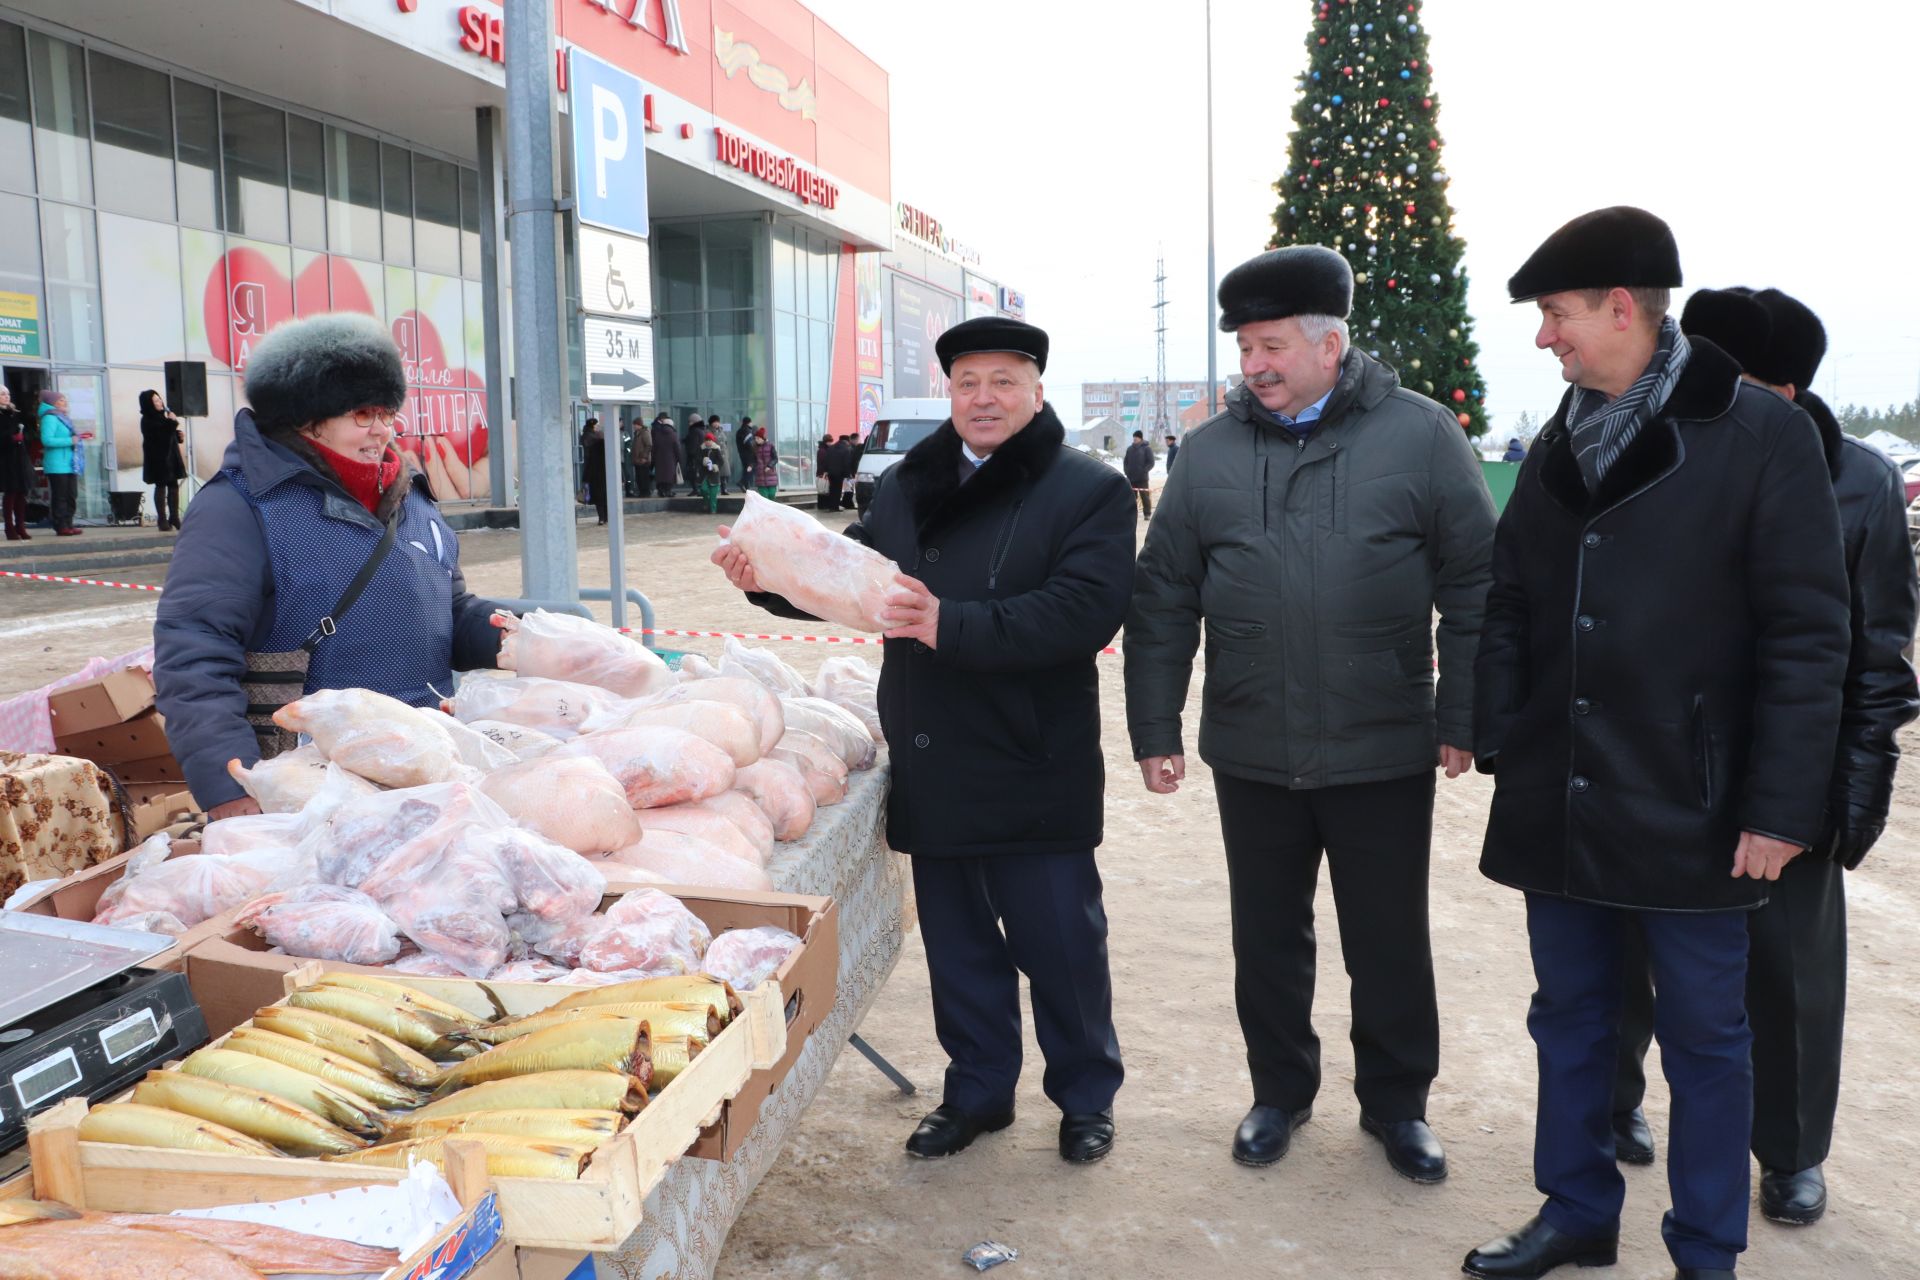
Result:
x=845 y=856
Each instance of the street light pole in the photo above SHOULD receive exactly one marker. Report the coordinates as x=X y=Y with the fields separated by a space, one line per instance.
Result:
x=1213 y=344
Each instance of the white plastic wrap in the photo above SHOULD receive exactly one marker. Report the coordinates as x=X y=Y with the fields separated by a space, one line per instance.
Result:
x=670 y=857
x=554 y=707
x=425 y=964
x=818 y=570
x=657 y=766
x=738 y=808
x=285 y=783
x=531 y=969
x=783 y=795
x=745 y=958
x=523 y=742
x=648 y=929
x=750 y=696
x=763 y=667
x=853 y=683
x=695 y=667
x=558 y=940
x=370 y=840
x=251 y=832
x=196 y=887
x=324 y=922
x=477 y=750
x=548 y=881
x=380 y=738
x=561 y=646
x=570 y=799
x=705 y=824
x=723 y=724
x=834 y=725
x=825 y=772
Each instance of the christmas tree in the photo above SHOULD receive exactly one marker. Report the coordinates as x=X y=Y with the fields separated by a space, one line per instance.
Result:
x=1363 y=177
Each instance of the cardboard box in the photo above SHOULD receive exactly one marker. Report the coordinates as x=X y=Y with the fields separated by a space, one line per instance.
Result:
x=78 y=898
x=468 y=1249
x=141 y=738
x=156 y=806
x=99 y=703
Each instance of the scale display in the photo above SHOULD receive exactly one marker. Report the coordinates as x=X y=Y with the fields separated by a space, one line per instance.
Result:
x=48 y=1078
x=130 y=1035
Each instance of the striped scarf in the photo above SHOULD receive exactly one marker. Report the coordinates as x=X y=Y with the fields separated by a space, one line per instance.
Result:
x=1600 y=430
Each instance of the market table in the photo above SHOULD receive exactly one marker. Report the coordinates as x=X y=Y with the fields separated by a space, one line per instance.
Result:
x=844 y=855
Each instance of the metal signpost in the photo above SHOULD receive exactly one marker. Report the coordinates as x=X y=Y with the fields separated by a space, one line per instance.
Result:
x=608 y=114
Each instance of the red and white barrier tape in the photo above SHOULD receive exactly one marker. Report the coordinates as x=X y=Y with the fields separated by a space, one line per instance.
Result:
x=84 y=582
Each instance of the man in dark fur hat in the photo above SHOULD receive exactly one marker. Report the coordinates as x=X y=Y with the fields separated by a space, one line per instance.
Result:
x=1797 y=943
x=1657 y=695
x=1019 y=552
x=1314 y=527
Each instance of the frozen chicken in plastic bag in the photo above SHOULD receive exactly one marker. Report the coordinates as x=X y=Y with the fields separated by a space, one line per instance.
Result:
x=815 y=568
x=648 y=929
x=253 y=831
x=523 y=742
x=285 y=783
x=783 y=795
x=745 y=958
x=834 y=725
x=695 y=667
x=531 y=969
x=853 y=683
x=762 y=666
x=738 y=808
x=467 y=936
x=477 y=750
x=425 y=964
x=196 y=887
x=558 y=940
x=671 y=857
x=380 y=738
x=657 y=766
x=324 y=922
x=548 y=881
x=706 y=824
x=825 y=772
x=725 y=725
x=556 y=707
x=572 y=800
x=564 y=647
x=164 y=923
x=369 y=840
x=750 y=696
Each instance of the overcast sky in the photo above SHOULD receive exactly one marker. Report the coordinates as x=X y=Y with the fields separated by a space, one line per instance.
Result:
x=1066 y=141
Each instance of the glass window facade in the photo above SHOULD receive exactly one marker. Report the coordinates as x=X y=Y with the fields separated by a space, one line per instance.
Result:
x=436 y=205
x=253 y=143
x=133 y=137
x=710 y=341
x=353 y=193
x=62 y=126
x=72 y=258
x=196 y=119
x=396 y=185
x=307 y=181
x=16 y=113
x=806 y=278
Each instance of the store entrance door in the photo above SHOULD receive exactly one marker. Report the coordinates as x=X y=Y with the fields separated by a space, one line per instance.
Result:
x=86 y=393
x=25 y=382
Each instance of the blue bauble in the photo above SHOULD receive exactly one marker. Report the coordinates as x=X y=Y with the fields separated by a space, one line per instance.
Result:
x=1406 y=75
x=1337 y=99
x=1316 y=75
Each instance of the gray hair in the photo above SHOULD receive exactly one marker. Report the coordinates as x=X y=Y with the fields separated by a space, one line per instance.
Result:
x=1315 y=328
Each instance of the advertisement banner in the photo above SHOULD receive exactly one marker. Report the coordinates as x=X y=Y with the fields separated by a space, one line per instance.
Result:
x=866 y=279
x=920 y=315
x=871 y=395
x=19 y=325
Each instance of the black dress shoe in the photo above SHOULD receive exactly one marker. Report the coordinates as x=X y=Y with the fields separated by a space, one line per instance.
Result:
x=1703 y=1273
x=1632 y=1139
x=1796 y=1199
x=1536 y=1249
x=1086 y=1136
x=946 y=1130
x=1412 y=1150
x=1264 y=1136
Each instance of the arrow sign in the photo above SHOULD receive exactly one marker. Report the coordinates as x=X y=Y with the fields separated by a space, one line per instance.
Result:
x=619 y=358
x=625 y=380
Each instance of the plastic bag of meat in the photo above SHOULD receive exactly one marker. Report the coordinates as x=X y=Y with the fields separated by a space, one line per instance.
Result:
x=164 y=923
x=337 y=787
x=723 y=724
x=708 y=825
x=196 y=887
x=468 y=936
x=532 y=969
x=738 y=808
x=380 y=738
x=425 y=964
x=695 y=667
x=763 y=666
x=523 y=742
x=745 y=958
x=657 y=766
x=285 y=783
x=594 y=978
x=253 y=831
x=648 y=929
x=834 y=725
x=829 y=576
x=670 y=857
x=561 y=646
x=554 y=707
x=749 y=696
x=825 y=772
x=373 y=840
x=477 y=750
x=324 y=922
x=783 y=795
x=550 y=882
x=853 y=683
x=558 y=940
x=572 y=800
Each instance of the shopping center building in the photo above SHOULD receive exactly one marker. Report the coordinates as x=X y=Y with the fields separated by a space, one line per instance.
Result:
x=176 y=179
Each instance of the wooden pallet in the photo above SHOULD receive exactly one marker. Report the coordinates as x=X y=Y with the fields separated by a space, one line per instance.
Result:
x=597 y=1212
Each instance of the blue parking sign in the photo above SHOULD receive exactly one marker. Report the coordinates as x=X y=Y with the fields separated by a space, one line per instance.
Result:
x=608 y=110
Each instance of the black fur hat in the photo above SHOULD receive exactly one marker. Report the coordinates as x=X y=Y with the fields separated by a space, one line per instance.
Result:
x=322 y=367
x=1797 y=345
x=1732 y=320
x=1300 y=280
x=1614 y=248
x=984 y=334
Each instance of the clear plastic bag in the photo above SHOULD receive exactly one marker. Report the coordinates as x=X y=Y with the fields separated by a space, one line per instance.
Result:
x=285 y=783
x=557 y=940
x=324 y=922
x=738 y=808
x=657 y=766
x=853 y=683
x=531 y=969
x=648 y=929
x=745 y=958
x=561 y=646
x=669 y=857
x=825 y=772
x=372 y=842
x=783 y=795
x=750 y=696
x=548 y=881
x=380 y=738
x=726 y=725
x=818 y=570
x=554 y=707
x=834 y=725
x=695 y=667
x=195 y=887
x=252 y=832
x=707 y=825
x=523 y=742
x=763 y=666
x=571 y=799
x=477 y=750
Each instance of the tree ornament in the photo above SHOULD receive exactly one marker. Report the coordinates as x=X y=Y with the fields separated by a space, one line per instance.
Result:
x=1453 y=333
x=1390 y=282
x=1434 y=278
x=1375 y=322
x=1415 y=64
x=1406 y=75
x=1466 y=420
x=1416 y=362
x=1336 y=99
x=1359 y=277
x=1436 y=220
x=1383 y=102
x=1427 y=387
x=1427 y=103
x=1459 y=395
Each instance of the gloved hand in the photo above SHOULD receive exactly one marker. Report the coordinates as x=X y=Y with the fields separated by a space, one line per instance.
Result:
x=1854 y=829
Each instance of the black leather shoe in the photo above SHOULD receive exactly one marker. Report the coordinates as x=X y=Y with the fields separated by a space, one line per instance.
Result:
x=1703 y=1273
x=1796 y=1199
x=1086 y=1136
x=1632 y=1139
x=1412 y=1150
x=1536 y=1249
x=1264 y=1136
x=946 y=1130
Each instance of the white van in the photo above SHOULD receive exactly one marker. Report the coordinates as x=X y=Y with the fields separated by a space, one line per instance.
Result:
x=902 y=425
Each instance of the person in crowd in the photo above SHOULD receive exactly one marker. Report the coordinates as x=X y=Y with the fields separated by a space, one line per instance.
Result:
x=1797 y=942
x=593 y=467
x=710 y=470
x=1138 y=464
x=766 y=464
x=1658 y=698
x=640 y=457
x=820 y=464
x=1173 y=451
x=743 y=447
x=60 y=459
x=17 y=434
x=839 y=460
x=691 y=439
x=315 y=558
x=667 y=456
x=1323 y=518
x=163 y=463
x=989 y=689
x=1516 y=451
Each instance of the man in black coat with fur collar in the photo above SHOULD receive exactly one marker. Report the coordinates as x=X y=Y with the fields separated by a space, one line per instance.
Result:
x=1657 y=694
x=1020 y=553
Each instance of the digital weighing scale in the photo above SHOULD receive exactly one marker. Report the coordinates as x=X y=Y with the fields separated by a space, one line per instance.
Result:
x=80 y=1018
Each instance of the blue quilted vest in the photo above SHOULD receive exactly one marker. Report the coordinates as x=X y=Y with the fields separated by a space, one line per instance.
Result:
x=398 y=638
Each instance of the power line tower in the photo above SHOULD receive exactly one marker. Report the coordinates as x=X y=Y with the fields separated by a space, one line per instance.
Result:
x=1160 y=345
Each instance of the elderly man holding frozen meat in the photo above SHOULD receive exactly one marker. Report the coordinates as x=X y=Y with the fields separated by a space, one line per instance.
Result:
x=1020 y=553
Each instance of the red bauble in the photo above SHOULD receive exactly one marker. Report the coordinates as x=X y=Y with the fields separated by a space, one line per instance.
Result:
x=1366 y=208
x=1391 y=282
x=1465 y=420
x=1346 y=71
x=1316 y=162
x=1323 y=39
x=1425 y=102
x=1466 y=362
x=1433 y=144
x=1415 y=64
x=1383 y=102
x=1459 y=395
x=1409 y=206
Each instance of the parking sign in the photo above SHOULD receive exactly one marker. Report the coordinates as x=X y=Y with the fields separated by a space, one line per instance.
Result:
x=607 y=107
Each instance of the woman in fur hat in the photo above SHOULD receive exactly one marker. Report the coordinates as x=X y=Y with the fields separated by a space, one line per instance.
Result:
x=316 y=559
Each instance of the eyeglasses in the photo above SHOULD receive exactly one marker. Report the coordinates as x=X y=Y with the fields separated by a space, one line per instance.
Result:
x=368 y=418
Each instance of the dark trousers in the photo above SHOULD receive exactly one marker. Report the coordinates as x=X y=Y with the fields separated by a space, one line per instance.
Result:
x=986 y=921
x=166 y=504
x=1376 y=837
x=830 y=501
x=63 y=495
x=1146 y=500
x=14 y=506
x=1796 y=1003
x=1699 y=963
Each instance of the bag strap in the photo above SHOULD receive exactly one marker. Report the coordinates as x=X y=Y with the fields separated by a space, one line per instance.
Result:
x=359 y=584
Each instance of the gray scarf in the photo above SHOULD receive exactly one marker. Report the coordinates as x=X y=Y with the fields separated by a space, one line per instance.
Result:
x=1600 y=430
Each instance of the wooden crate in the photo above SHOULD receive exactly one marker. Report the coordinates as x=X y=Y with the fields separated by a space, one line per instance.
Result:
x=597 y=1212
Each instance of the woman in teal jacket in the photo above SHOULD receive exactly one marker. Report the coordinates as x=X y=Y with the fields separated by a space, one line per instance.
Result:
x=58 y=440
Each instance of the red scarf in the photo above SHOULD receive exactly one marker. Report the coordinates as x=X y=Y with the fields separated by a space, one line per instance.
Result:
x=363 y=481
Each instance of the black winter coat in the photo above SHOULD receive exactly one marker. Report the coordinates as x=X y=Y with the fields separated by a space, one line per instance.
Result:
x=995 y=731
x=1661 y=664
x=593 y=466
x=839 y=460
x=666 y=458
x=16 y=452
x=1880 y=694
x=1138 y=464
x=161 y=460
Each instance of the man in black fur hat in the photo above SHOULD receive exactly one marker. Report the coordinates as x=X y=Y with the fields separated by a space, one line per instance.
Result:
x=1314 y=527
x=1657 y=695
x=1797 y=943
x=1016 y=555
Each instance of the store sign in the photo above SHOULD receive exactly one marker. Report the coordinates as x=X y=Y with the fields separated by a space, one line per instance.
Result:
x=871 y=396
x=920 y=315
x=20 y=325
x=673 y=31
x=615 y=278
x=787 y=174
x=1013 y=302
x=619 y=358
x=608 y=113
x=926 y=228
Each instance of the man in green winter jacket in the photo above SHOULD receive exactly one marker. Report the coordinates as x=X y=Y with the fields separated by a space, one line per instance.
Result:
x=1313 y=529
